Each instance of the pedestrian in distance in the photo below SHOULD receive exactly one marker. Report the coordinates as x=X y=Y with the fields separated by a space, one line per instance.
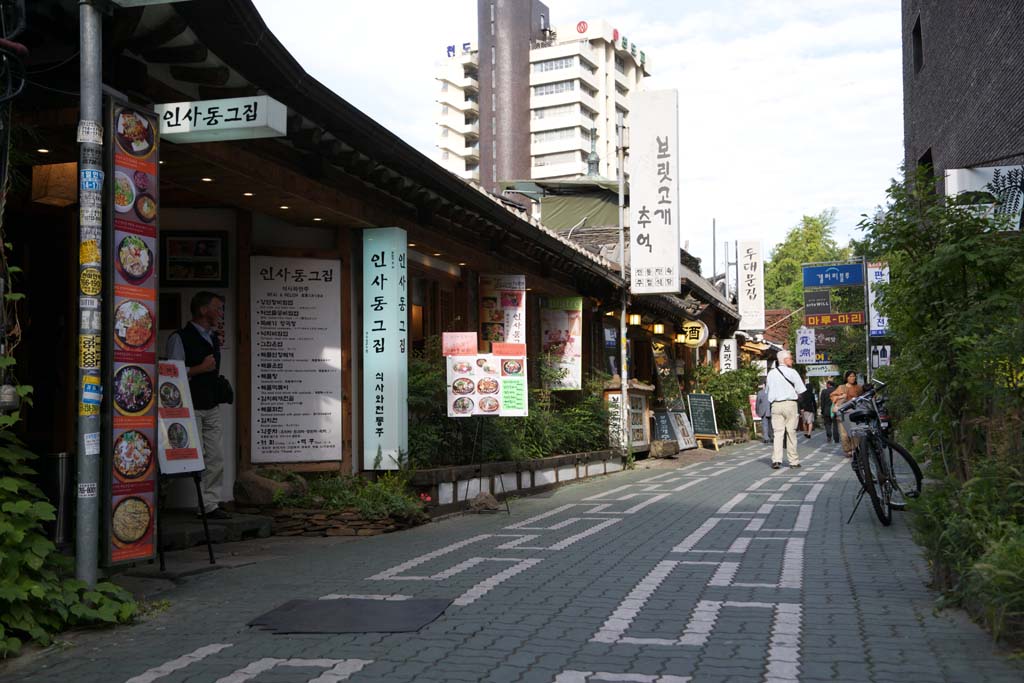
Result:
x=847 y=391
x=808 y=404
x=197 y=345
x=764 y=410
x=784 y=388
x=828 y=419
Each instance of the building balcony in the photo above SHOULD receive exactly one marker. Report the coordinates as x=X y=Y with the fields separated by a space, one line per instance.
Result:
x=471 y=152
x=455 y=99
x=556 y=99
x=472 y=175
x=555 y=146
x=565 y=121
x=575 y=72
x=567 y=170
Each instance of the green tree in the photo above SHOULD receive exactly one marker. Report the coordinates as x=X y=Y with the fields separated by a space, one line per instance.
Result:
x=809 y=241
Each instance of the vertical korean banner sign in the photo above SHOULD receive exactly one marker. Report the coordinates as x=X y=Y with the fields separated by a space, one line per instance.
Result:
x=385 y=349
x=654 y=192
x=727 y=357
x=562 y=330
x=503 y=309
x=130 y=448
x=878 y=274
x=751 y=286
x=805 y=349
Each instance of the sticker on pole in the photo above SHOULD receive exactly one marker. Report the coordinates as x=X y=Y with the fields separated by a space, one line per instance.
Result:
x=92 y=392
x=90 y=180
x=92 y=443
x=90 y=132
x=88 y=489
x=89 y=346
x=90 y=281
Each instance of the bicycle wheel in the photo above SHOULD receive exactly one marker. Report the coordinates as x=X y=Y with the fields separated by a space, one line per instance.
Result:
x=904 y=473
x=876 y=478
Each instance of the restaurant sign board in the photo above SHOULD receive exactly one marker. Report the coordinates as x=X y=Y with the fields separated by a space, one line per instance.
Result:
x=237 y=118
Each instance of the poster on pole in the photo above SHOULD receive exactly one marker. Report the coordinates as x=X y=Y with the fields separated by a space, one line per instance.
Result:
x=751 y=286
x=385 y=349
x=487 y=384
x=133 y=193
x=180 y=442
x=503 y=309
x=878 y=274
x=296 y=377
x=654 y=169
x=805 y=351
x=561 y=323
x=728 y=359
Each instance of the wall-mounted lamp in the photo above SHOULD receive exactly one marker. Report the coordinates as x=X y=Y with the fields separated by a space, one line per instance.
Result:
x=659 y=328
x=680 y=338
x=634 y=318
x=712 y=343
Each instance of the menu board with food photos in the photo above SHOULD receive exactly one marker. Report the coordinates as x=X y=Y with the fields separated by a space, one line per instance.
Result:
x=180 y=446
x=502 y=309
x=487 y=384
x=133 y=182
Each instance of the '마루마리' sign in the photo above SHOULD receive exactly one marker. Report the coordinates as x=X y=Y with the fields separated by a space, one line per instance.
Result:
x=830 y=319
x=751 y=285
x=385 y=349
x=238 y=118
x=296 y=374
x=654 y=170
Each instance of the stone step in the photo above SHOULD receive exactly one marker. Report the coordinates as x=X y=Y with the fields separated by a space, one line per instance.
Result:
x=182 y=529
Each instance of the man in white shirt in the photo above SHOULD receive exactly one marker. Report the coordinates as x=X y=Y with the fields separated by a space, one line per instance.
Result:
x=784 y=386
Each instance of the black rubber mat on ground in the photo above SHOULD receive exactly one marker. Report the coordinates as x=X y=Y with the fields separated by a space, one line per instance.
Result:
x=351 y=616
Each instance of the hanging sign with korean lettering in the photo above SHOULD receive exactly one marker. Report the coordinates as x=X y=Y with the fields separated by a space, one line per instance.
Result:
x=878 y=274
x=503 y=309
x=131 y=239
x=817 y=301
x=695 y=333
x=825 y=338
x=296 y=347
x=839 y=274
x=805 y=352
x=238 y=118
x=562 y=341
x=385 y=349
x=727 y=357
x=654 y=192
x=751 y=285
x=831 y=319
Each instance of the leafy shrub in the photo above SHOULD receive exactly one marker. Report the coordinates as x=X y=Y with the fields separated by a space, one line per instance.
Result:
x=388 y=496
x=730 y=391
x=37 y=597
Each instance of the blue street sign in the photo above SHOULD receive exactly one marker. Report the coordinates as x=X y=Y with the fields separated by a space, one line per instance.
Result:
x=834 y=275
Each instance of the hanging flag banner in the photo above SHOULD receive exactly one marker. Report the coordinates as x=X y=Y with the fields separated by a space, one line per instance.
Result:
x=727 y=356
x=385 y=349
x=805 y=352
x=502 y=309
x=133 y=149
x=751 y=286
x=654 y=192
x=487 y=384
x=878 y=274
x=561 y=322
x=838 y=274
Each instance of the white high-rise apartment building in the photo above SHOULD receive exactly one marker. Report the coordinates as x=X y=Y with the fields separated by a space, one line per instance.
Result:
x=459 y=112
x=581 y=83
x=581 y=78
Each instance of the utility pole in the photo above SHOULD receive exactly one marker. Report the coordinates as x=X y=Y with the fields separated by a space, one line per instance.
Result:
x=623 y=142
x=714 y=250
x=90 y=166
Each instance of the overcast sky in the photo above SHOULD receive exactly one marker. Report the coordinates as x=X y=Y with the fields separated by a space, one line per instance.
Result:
x=787 y=107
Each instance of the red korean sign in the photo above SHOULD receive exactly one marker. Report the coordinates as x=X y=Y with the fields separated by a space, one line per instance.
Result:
x=828 y=319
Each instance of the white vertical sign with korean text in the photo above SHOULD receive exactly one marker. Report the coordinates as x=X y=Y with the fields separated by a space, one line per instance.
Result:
x=805 y=350
x=385 y=349
x=751 y=286
x=654 y=192
x=727 y=357
x=503 y=309
x=296 y=378
x=878 y=274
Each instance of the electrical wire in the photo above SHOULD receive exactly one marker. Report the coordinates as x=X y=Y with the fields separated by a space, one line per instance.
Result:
x=54 y=66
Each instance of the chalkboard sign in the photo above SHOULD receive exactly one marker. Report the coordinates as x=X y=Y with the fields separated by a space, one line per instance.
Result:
x=663 y=427
x=702 y=413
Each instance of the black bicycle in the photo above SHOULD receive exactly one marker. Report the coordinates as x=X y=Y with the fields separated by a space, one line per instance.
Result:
x=887 y=472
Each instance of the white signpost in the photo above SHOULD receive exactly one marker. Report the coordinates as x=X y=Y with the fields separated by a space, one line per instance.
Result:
x=751 y=286
x=805 y=351
x=296 y=374
x=654 y=192
x=238 y=118
x=727 y=356
x=878 y=273
x=822 y=370
x=385 y=349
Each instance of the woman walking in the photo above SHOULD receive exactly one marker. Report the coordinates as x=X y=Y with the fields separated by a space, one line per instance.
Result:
x=847 y=391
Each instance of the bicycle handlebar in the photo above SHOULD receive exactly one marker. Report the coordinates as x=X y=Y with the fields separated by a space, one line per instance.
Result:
x=868 y=393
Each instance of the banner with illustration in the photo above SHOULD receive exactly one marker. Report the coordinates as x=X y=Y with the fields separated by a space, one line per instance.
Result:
x=503 y=309
x=562 y=341
x=180 y=443
x=487 y=384
x=131 y=444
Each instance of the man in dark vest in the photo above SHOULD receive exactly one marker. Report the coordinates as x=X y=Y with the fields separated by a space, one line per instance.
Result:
x=197 y=345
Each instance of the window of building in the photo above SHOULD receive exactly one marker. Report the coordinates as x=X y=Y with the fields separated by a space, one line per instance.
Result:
x=554 y=88
x=588 y=66
x=444 y=109
x=918 y=46
x=588 y=90
x=444 y=86
x=557 y=134
x=543 y=22
x=620 y=65
x=492 y=12
x=494 y=59
x=559 y=158
x=551 y=112
x=444 y=155
x=553 y=64
x=621 y=89
x=444 y=132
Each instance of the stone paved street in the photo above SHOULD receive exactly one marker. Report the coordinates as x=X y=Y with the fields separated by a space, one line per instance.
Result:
x=719 y=571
